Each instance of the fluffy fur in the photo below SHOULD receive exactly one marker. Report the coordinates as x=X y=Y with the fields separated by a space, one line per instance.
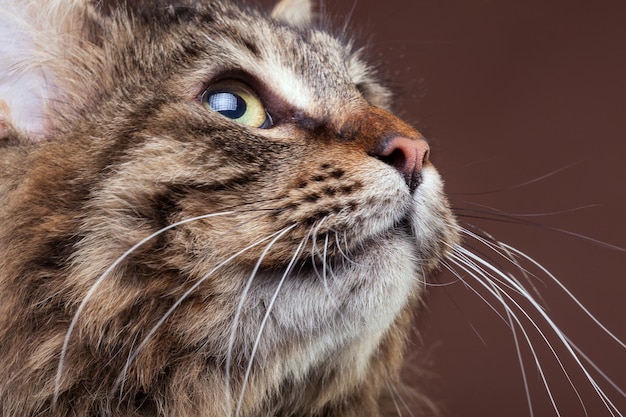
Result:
x=158 y=258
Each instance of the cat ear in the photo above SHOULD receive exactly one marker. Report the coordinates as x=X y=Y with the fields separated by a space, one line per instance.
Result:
x=35 y=35
x=297 y=13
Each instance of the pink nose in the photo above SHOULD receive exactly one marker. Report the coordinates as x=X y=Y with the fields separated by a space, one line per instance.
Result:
x=407 y=156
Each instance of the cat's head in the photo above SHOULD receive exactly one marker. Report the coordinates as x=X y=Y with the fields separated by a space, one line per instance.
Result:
x=200 y=200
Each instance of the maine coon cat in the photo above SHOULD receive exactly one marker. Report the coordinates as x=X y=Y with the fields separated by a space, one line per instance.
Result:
x=206 y=211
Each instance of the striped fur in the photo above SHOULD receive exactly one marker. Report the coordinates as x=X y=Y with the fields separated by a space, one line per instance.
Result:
x=160 y=259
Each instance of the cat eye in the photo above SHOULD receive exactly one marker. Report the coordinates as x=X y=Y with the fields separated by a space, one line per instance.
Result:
x=237 y=101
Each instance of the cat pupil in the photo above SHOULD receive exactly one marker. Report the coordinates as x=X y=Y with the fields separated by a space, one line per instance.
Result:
x=228 y=104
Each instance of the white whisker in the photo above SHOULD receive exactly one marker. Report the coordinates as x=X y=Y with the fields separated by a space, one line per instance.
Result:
x=313 y=236
x=323 y=276
x=326 y=270
x=96 y=284
x=597 y=368
x=132 y=345
x=497 y=292
x=569 y=294
x=183 y=297
x=497 y=246
x=479 y=295
x=343 y=253
x=394 y=393
x=557 y=332
x=264 y=322
x=233 y=330
x=402 y=400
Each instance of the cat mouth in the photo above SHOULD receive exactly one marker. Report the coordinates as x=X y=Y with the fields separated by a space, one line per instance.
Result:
x=339 y=246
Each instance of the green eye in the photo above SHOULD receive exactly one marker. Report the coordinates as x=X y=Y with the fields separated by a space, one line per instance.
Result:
x=238 y=102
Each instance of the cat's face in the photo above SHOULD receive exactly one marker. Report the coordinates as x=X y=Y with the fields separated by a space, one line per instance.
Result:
x=227 y=190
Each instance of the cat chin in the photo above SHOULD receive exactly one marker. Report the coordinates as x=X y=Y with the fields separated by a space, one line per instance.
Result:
x=342 y=304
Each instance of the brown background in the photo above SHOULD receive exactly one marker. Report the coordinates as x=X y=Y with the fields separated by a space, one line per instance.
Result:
x=507 y=92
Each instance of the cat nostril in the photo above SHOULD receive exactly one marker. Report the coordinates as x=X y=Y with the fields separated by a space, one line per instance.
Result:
x=407 y=156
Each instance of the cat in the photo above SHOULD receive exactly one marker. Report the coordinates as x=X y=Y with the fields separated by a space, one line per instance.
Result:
x=207 y=210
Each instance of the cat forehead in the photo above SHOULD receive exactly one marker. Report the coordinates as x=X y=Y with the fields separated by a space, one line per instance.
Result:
x=305 y=67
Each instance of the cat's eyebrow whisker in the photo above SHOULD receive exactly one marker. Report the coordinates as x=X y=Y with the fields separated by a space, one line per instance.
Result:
x=242 y=299
x=101 y=278
x=185 y=295
x=556 y=331
x=270 y=307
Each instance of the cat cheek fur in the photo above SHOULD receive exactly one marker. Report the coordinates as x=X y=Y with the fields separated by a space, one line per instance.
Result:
x=160 y=259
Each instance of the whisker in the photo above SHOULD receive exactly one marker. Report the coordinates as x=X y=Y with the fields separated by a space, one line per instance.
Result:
x=493 y=210
x=531 y=321
x=523 y=184
x=492 y=243
x=348 y=17
x=325 y=267
x=568 y=292
x=264 y=322
x=497 y=293
x=393 y=392
x=184 y=297
x=96 y=284
x=341 y=251
x=520 y=360
x=479 y=295
x=557 y=332
x=313 y=236
x=495 y=245
x=597 y=368
x=233 y=330
x=121 y=396
x=504 y=218
x=510 y=320
x=395 y=403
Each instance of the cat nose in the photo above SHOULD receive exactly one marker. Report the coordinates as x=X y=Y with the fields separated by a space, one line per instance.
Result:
x=407 y=156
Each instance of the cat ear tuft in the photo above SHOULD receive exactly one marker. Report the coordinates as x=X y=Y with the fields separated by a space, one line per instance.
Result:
x=297 y=13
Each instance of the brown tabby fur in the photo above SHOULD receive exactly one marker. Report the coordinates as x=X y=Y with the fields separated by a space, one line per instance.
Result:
x=126 y=149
